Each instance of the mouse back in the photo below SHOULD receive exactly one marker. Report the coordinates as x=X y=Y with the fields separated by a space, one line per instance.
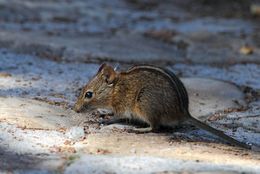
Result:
x=180 y=89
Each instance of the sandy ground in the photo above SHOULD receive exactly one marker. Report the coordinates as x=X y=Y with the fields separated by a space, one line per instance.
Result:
x=36 y=105
x=50 y=49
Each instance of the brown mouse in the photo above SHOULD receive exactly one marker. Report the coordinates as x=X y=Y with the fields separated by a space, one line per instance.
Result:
x=148 y=93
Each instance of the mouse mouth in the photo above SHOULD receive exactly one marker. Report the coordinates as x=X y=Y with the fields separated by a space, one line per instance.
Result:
x=87 y=108
x=77 y=108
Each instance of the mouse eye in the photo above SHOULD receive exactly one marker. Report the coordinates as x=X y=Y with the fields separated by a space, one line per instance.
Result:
x=89 y=94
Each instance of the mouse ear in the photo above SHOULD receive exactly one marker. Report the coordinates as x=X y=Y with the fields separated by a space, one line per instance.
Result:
x=101 y=67
x=108 y=73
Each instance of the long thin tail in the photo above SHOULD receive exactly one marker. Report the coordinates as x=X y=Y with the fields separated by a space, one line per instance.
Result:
x=218 y=133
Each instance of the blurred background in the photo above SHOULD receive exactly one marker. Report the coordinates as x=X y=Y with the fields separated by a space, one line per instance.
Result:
x=134 y=31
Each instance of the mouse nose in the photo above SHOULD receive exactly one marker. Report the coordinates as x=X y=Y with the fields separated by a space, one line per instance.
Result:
x=77 y=108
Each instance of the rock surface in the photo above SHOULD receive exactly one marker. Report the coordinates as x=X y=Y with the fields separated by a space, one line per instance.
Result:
x=50 y=49
x=135 y=164
x=125 y=48
x=125 y=31
x=36 y=100
x=31 y=114
x=208 y=97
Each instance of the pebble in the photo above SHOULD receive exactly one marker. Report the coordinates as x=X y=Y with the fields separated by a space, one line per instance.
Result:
x=75 y=133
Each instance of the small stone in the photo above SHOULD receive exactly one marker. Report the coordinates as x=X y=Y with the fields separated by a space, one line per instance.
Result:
x=255 y=9
x=246 y=50
x=5 y=74
x=71 y=150
x=75 y=133
x=67 y=142
x=102 y=151
x=36 y=78
x=133 y=150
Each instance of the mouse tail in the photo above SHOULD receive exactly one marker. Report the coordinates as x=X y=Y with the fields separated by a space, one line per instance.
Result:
x=218 y=133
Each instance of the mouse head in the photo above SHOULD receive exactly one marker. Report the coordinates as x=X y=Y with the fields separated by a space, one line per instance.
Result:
x=98 y=91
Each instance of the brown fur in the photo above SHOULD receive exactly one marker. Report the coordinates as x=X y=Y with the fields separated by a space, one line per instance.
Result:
x=152 y=94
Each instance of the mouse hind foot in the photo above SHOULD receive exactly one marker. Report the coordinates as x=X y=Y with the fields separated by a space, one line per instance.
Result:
x=145 y=130
x=141 y=130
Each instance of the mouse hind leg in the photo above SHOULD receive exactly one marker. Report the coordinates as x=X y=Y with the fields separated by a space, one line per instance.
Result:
x=146 y=109
x=151 y=128
x=150 y=119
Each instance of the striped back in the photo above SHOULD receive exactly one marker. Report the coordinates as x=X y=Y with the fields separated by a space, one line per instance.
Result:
x=182 y=94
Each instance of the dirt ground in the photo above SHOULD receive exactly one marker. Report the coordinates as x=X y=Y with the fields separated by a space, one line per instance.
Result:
x=50 y=49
